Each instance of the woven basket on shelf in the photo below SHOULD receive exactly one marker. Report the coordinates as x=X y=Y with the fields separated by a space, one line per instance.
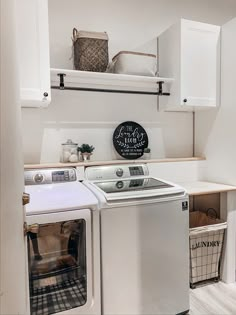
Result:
x=90 y=50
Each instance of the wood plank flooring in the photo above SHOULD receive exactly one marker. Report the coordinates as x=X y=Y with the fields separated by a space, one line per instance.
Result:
x=213 y=299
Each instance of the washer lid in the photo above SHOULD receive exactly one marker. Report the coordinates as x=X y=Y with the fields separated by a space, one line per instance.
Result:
x=131 y=185
x=135 y=189
x=59 y=197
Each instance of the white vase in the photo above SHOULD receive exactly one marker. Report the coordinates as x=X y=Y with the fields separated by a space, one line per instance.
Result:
x=86 y=156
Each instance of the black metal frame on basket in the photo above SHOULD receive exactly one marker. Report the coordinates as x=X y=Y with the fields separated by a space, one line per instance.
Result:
x=214 y=279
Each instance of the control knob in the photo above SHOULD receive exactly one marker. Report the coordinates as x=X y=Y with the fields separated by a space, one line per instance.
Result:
x=38 y=178
x=119 y=172
x=120 y=185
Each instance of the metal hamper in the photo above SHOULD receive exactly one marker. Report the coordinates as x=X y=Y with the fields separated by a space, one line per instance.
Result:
x=206 y=239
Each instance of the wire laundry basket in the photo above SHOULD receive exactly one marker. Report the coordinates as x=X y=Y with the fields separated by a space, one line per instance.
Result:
x=206 y=239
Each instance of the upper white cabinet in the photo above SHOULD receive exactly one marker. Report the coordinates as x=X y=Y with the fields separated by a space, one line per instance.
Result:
x=33 y=49
x=189 y=52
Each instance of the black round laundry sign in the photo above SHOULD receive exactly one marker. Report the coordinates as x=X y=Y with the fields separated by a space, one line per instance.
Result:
x=130 y=139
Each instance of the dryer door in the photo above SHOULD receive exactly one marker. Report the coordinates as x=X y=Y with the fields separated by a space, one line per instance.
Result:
x=59 y=261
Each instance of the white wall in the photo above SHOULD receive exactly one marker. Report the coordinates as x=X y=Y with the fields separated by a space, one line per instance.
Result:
x=129 y=23
x=177 y=171
x=216 y=130
x=92 y=117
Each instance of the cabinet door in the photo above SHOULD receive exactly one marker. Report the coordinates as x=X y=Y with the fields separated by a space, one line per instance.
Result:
x=33 y=48
x=13 y=275
x=200 y=44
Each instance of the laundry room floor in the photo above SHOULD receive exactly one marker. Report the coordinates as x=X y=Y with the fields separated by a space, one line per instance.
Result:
x=214 y=299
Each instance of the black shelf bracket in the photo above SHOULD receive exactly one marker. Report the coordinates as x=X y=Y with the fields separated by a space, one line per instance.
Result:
x=71 y=88
x=62 y=83
x=160 y=89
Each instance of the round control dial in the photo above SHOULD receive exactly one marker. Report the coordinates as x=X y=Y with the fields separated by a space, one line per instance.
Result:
x=119 y=172
x=38 y=178
x=120 y=185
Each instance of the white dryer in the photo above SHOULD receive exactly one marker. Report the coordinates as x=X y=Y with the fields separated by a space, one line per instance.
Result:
x=63 y=244
x=144 y=241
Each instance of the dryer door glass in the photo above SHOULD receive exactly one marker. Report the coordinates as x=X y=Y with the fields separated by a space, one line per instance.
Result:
x=57 y=266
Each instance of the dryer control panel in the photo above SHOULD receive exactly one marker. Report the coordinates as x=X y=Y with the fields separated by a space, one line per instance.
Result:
x=50 y=176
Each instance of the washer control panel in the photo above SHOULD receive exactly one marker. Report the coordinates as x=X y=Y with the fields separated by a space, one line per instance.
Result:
x=111 y=172
x=136 y=170
x=50 y=176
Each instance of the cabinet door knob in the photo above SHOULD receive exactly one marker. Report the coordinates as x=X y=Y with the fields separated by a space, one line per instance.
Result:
x=45 y=94
x=185 y=100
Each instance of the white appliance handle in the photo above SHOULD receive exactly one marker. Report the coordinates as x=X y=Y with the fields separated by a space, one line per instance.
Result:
x=55 y=217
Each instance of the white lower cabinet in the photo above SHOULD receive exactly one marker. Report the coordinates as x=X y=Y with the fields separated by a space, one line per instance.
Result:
x=189 y=52
x=33 y=52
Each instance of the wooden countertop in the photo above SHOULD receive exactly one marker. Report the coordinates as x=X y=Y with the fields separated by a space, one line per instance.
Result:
x=96 y=163
x=204 y=188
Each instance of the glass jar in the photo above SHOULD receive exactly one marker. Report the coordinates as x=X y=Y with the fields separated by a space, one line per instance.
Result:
x=69 y=152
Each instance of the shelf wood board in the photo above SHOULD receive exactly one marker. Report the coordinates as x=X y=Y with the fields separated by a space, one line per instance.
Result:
x=204 y=188
x=78 y=78
x=97 y=163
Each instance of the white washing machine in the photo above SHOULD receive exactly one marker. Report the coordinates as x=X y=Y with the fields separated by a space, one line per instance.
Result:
x=144 y=241
x=63 y=244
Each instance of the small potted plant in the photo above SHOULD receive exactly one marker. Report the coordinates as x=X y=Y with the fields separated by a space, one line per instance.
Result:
x=86 y=151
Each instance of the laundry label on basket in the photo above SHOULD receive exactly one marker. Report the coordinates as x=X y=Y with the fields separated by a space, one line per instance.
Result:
x=206 y=244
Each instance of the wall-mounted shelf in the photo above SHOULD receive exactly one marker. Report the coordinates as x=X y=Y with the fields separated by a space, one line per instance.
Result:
x=107 y=82
x=96 y=163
